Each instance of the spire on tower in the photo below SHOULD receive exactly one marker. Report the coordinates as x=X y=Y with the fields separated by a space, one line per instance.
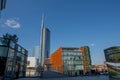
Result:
x=42 y=25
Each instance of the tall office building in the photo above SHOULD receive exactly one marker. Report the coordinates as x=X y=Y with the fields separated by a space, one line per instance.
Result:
x=36 y=54
x=45 y=42
x=36 y=51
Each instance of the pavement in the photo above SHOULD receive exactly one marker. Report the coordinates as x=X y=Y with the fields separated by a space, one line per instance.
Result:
x=101 y=77
x=51 y=74
x=48 y=75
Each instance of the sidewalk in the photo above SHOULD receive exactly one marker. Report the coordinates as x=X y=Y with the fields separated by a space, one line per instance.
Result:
x=100 y=77
x=48 y=75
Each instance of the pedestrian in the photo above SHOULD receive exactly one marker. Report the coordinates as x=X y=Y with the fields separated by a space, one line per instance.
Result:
x=97 y=71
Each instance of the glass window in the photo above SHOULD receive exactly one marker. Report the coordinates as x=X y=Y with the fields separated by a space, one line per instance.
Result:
x=9 y=68
x=79 y=67
x=11 y=53
x=23 y=51
x=3 y=51
x=19 y=48
x=4 y=41
x=12 y=44
x=72 y=60
x=10 y=63
x=23 y=57
x=28 y=62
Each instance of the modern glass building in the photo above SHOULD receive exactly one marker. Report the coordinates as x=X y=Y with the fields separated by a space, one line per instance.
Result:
x=68 y=61
x=36 y=51
x=36 y=54
x=86 y=59
x=112 y=56
x=72 y=61
x=13 y=59
x=45 y=43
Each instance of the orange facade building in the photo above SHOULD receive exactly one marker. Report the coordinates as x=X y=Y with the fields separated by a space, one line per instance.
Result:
x=70 y=61
x=56 y=60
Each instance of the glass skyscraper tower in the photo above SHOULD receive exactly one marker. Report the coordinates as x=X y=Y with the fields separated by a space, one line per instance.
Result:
x=36 y=54
x=45 y=43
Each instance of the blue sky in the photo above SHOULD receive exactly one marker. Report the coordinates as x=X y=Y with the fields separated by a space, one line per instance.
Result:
x=73 y=23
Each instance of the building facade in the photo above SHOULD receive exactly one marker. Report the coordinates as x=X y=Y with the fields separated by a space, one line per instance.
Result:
x=45 y=43
x=36 y=54
x=13 y=59
x=31 y=62
x=112 y=56
x=86 y=59
x=68 y=61
x=31 y=67
x=36 y=51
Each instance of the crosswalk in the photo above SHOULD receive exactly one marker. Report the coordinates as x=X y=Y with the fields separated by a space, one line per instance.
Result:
x=99 y=77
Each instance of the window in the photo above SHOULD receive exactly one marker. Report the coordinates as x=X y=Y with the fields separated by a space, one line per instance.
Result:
x=28 y=62
x=12 y=44
x=3 y=51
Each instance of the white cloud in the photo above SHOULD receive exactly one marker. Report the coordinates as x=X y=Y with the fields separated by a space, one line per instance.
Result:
x=92 y=44
x=12 y=23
